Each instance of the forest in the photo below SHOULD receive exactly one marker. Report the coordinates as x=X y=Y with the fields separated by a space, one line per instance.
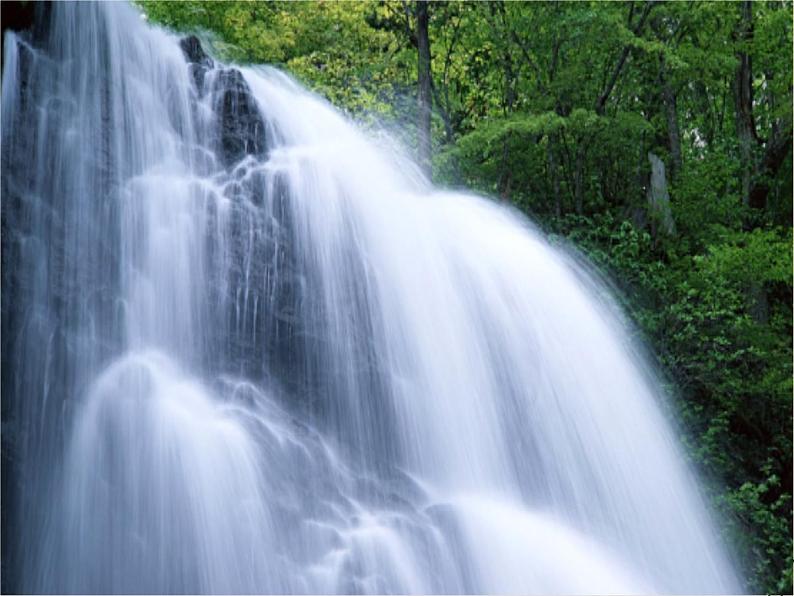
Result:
x=654 y=137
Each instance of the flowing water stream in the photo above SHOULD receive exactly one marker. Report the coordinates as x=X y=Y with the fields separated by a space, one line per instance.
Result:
x=247 y=348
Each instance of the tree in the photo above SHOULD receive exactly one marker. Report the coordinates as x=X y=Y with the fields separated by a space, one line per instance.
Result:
x=424 y=96
x=743 y=98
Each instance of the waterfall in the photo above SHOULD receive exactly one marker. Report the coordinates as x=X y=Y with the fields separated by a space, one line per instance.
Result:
x=247 y=348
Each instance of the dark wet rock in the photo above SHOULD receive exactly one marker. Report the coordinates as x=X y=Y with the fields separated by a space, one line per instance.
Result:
x=200 y=63
x=194 y=52
x=241 y=126
x=242 y=129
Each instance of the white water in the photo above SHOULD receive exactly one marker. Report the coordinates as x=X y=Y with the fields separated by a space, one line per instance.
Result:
x=304 y=370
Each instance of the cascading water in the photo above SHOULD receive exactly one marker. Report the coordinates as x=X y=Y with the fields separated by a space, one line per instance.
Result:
x=245 y=349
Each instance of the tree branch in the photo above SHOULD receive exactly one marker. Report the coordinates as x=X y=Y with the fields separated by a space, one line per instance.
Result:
x=624 y=54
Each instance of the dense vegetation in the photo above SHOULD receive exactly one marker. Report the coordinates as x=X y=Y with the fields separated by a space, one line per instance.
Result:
x=561 y=109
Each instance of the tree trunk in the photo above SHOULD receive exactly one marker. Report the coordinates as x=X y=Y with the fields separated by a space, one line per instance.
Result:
x=659 y=199
x=777 y=149
x=673 y=132
x=600 y=103
x=497 y=10
x=578 y=188
x=755 y=177
x=505 y=175
x=743 y=99
x=425 y=91
x=709 y=109
x=449 y=132
x=555 y=178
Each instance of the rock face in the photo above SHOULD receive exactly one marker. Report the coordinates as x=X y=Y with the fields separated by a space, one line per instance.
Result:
x=241 y=126
x=45 y=190
x=255 y=289
x=191 y=46
x=258 y=283
x=200 y=63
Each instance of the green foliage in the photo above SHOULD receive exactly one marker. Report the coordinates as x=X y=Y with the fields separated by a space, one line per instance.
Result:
x=757 y=514
x=555 y=107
